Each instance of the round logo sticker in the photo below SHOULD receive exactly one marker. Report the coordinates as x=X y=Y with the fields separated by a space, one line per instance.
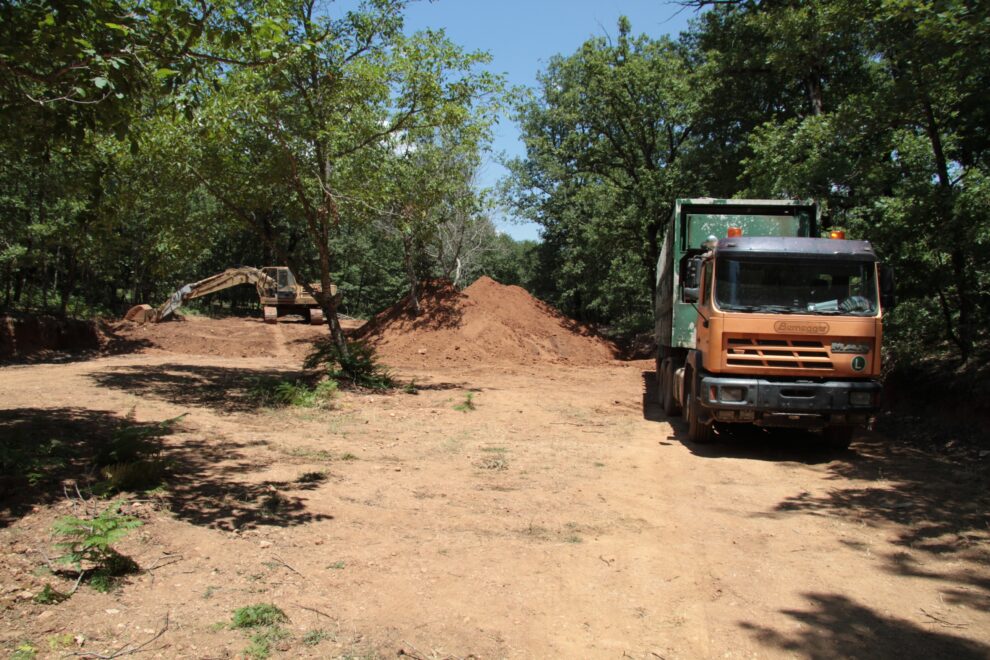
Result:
x=859 y=363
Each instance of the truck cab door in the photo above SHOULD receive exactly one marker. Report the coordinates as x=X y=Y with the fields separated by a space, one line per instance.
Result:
x=702 y=329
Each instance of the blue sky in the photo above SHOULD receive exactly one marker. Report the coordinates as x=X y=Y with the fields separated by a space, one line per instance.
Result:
x=523 y=35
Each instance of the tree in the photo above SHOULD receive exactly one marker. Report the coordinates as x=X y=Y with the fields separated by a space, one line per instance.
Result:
x=883 y=133
x=605 y=140
x=316 y=122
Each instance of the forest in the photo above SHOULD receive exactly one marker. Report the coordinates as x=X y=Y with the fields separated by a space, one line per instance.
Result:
x=150 y=143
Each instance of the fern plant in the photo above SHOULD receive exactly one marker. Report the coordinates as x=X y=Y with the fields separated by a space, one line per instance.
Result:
x=87 y=545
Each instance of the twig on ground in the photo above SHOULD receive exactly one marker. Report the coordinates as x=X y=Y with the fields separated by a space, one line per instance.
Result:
x=79 y=580
x=123 y=650
x=169 y=559
x=282 y=561
x=943 y=622
x=314 y=610
x=415 y=654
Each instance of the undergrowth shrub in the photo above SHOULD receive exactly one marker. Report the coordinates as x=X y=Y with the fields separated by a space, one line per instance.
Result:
x=276 y=393
x=132 y=460
x=253 y=616
x=31 y=458
x=359 y=367
x=265 y=620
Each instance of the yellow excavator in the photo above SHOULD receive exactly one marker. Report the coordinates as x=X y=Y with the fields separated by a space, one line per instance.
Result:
x=278 y=291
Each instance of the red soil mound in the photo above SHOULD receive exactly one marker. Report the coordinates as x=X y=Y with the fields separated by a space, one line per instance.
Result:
x=486 y=323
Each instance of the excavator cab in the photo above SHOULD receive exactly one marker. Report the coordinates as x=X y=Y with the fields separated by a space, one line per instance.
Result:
x=281 y=283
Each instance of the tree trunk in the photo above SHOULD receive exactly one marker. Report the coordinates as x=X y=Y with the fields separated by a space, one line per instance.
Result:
x=407 y=253
x=68 y=283
x=816 y=98
x=946 y=221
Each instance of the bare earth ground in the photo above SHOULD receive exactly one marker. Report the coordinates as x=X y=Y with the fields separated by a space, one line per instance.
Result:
x=563 y=517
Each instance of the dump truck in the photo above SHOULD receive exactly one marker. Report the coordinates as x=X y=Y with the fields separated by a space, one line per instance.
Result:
x=278 y=292
x=761 y=321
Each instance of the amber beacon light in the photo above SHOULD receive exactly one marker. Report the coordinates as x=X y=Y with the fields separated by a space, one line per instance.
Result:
x=735 y=232
x=837 y=233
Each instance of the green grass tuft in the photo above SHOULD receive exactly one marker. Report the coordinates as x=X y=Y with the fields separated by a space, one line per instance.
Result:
x=255 y=616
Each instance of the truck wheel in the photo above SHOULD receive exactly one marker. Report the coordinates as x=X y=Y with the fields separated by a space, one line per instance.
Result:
x=667 y=400
x=699 y=433
x=838 y=438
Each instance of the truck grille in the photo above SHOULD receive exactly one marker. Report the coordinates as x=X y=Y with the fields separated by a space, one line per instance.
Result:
x=780 y=353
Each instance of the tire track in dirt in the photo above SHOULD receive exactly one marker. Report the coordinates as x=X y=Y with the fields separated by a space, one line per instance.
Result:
x=278 y=341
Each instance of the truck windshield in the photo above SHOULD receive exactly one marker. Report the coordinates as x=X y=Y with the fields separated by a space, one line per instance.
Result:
x=792 y=286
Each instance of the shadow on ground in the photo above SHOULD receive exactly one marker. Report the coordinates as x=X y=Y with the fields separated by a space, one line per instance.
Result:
x=837 y=627
x=225 y=389
x=207 y=487
x=41 y=447
x=936 y=507
x=46 y=452
x=741 y=440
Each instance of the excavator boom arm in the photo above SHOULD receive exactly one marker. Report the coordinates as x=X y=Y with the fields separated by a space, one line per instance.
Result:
x=225 y=280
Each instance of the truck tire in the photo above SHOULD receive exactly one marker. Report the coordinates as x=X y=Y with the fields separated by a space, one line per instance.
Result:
x=698 y=433
x=667 y=400
x=838 y=438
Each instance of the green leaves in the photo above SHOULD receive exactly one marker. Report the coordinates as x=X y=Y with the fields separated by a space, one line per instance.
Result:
x=606 y=134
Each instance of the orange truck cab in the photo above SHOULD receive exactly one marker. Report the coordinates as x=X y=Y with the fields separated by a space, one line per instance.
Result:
x=779 y=330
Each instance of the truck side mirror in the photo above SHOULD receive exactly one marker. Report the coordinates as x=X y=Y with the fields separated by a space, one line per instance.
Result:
x=888 y=299
x=692 y=277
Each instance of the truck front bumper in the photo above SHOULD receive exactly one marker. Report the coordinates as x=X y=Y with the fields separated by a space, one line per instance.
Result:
x=788 y=403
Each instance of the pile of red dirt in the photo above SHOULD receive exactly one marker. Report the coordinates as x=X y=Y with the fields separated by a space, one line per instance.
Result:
x=486 y=323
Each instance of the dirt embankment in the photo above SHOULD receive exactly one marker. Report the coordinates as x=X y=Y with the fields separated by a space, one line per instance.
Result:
x=487 y=323
x=25 y=336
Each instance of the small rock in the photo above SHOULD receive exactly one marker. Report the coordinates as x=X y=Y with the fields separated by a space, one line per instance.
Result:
x=265 y=544
x=112 y=611
x=25 y=595
x=985 y=453
x=45 y=614
x=422 y=351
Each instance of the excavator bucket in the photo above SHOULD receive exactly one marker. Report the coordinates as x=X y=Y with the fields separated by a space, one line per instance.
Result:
x=141 y=314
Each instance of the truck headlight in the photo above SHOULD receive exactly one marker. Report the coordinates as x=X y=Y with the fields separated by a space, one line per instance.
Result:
x=732 y=394
x=861 y=398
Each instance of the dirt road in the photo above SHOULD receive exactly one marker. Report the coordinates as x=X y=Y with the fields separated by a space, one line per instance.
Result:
x=562 y=517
